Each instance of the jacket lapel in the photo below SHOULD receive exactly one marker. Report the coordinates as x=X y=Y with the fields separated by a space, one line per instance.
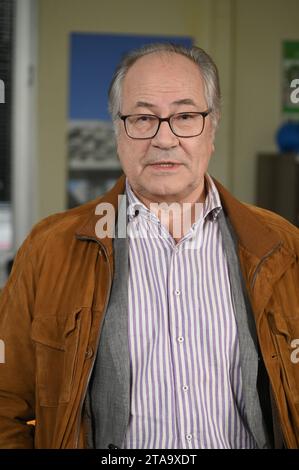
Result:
x=262 y=253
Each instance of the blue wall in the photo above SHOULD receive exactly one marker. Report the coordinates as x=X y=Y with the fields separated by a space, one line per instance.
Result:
x=93 y=58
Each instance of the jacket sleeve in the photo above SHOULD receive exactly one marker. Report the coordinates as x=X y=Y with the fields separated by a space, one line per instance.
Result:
x=17 y=367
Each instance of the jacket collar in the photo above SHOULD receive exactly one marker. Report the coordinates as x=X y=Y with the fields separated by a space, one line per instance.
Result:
x=251 y=233
x=88 y=230
x=263 y=255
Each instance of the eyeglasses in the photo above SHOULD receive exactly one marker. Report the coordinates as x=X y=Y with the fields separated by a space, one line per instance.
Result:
x=146 y=126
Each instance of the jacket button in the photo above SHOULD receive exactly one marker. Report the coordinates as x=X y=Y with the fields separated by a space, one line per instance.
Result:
x=88 y=353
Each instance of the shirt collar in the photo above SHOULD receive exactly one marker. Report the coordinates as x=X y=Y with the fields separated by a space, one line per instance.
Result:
x=135 y=206
x=212 y=205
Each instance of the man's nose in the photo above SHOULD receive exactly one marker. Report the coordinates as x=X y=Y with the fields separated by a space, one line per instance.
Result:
x=165 y=138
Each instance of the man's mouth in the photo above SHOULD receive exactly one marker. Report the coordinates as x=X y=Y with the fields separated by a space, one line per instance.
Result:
x=165 y=164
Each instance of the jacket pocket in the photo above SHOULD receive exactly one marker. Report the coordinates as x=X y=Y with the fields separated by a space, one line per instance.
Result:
x=56 y=339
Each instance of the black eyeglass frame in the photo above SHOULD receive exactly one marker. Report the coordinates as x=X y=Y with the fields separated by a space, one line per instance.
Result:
x=204 y=114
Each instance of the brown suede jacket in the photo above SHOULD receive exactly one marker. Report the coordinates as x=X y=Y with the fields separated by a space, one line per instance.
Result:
x=51 y=316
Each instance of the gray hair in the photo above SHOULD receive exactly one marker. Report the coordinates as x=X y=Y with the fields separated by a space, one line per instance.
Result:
x=205 y=63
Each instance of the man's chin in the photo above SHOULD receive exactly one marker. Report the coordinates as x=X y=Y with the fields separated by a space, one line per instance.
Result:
x=164 y=194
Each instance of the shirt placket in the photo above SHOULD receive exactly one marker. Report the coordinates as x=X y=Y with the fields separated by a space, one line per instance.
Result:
x=179 y=345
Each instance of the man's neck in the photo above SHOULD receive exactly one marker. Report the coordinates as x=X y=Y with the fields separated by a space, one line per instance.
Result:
x=177 y=217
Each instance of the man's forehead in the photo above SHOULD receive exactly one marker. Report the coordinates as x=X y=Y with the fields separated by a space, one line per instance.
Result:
x=163 y=73
x=148 y=104
x=156 y=62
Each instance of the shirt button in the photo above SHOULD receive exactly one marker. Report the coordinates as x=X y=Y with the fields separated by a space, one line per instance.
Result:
x=177 y=292
x=185 y=388
x=188 y=437
x=181 y=339
x=88 y=353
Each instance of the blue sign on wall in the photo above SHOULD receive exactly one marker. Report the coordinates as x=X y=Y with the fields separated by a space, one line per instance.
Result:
x=93 y=59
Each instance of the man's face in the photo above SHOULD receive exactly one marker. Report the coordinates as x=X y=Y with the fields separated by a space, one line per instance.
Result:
x=164 y=84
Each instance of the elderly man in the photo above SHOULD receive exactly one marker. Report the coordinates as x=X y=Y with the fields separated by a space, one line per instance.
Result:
x=180 y=337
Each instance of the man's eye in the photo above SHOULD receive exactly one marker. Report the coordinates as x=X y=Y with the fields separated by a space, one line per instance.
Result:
x=185 y=117
x=144 y=118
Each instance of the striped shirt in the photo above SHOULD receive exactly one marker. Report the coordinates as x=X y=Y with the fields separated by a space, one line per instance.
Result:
x=186 y=383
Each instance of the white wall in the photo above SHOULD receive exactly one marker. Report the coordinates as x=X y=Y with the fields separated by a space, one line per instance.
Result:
x=261 y=25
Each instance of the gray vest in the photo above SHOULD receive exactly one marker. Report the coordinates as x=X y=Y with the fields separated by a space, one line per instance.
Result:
x=108 y=398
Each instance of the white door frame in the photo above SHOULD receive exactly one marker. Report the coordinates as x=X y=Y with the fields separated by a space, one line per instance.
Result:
x=24 y=121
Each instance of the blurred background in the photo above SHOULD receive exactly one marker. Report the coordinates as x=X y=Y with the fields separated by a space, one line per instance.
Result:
x=56 y=59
